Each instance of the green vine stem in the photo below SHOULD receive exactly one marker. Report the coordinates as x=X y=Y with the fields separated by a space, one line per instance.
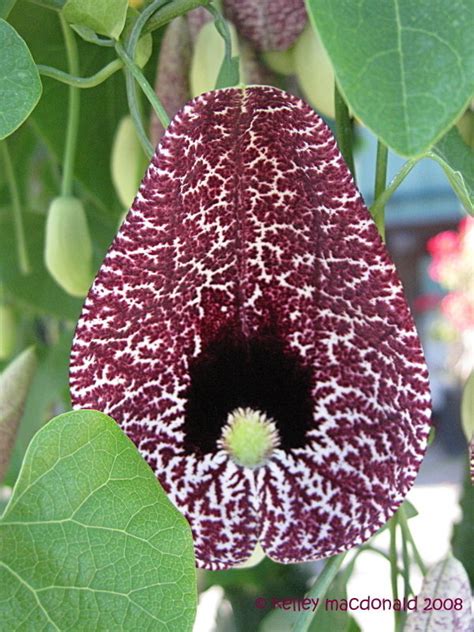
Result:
x=133 y=73
x=55 y=5
x=223 y=30
x=409 y=538
x=73 y=111
x=22 y=252
x=173 y=10
x=81 y=82
x=392 y=527
x=377 y=207
x=344 y=130
x=318 y=590
x=140 y=22
x=406 y=574
x=380 y=183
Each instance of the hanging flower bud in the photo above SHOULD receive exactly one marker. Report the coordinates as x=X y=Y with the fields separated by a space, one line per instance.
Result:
x=209 y=54
x=126 y=162
x=248 y=331
x=68 y=247
x=267 y=24
x=314 y=71
x=207 y=58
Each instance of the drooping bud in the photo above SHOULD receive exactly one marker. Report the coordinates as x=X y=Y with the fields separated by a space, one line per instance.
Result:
x=127 y=161
x=314 y=71
x=465 y=126
x=68 y=247
x=207 y=59
x=209 y=53
x=267 y=24
x=249 y=437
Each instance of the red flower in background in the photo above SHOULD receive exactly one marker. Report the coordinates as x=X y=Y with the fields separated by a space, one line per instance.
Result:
x=452 y=254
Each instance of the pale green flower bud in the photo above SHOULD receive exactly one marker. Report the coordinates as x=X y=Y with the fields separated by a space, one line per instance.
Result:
x=68 y=246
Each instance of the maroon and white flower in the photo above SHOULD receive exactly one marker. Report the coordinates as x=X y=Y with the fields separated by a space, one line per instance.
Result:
x=249 y=281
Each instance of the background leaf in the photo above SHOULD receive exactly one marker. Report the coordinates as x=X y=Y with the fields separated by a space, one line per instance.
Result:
x=15 y=382
x=405 y=68
x=48 y=394
x=106 y=17
x=20 y=85
x=457 y=161
x=89 y=540
x=228 y=73
x=446 y=580
x=467 y=408
x=463 y=531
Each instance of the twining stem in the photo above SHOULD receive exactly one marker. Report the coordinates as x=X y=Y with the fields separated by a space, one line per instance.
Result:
x=409 y=538
x=133 y=73
x=73 y=111
x=383 y=198
x=173 y=10
x=136 y=73
x=380 y=183
x=22 y=252
x=81 y=82
x=140 y=22
x=344 y=130
x=318 y=590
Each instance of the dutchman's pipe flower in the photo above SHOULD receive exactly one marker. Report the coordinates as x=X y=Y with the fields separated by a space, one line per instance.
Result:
x=248 y=331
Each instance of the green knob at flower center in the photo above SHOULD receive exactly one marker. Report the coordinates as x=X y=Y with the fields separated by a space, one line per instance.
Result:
x=249 y=437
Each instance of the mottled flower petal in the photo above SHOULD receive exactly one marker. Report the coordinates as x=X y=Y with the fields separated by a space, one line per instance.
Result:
x=249 y=273
x=267 y=24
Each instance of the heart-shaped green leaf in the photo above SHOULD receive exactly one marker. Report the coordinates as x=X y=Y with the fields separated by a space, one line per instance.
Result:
x=20 y=85
x=89 y=540
x=406 y=69
x=15 y=382
x=106 y=17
